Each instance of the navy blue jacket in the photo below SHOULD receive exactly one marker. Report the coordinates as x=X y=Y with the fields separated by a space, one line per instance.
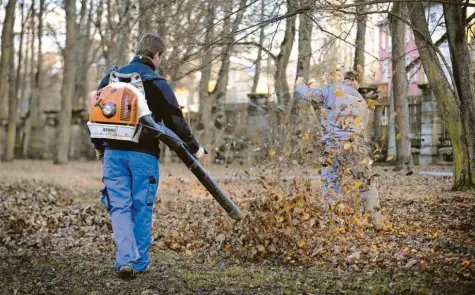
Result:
x=162 y=103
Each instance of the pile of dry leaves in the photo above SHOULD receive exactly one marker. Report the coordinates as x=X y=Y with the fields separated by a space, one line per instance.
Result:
x=36 y=215
x=285 y=222
x=292 y=224
x=426 y=226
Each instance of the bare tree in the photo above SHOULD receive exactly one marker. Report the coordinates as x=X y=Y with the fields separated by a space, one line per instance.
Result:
x=15 y=80
x=7 y=51
x=447 y=99
x=145 y=16
x=305 y=46
x=463 y=79
x=280 y=77
x=123 y=34
x=83 y=55
x=257 y=73
x=399 y=90
x=229 y=29
x=115 y=31
x=361 y=20
x=205 y=103
x=67 y=88
x=33 y=115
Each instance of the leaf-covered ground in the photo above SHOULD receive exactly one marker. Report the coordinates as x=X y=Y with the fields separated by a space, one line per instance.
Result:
x=55 y=237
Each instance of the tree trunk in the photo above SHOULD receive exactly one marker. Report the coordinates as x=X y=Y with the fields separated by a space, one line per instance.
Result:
x=463 y=79
x=206 y=62
x=257 y=73
x=162 y=26
x=26 y=99
x=218 y=96
x=33 y=117
x=14 y=83
x=446 y=98
x=360 y=42
x=7 y=48
x=220 y=91
x=303 y=70
x=305 y=46
x=67 y=88
x=84 y=43
x=12 y=111
x=145 y=17
x=399 y=87
x=35 y=102
x=24 y=91
x=391 y=128
x=110 y=50
x=280 y=77
x=123 y=33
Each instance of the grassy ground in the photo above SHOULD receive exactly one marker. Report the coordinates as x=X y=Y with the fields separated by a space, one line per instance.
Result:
x=417 y=199
x=54 y=273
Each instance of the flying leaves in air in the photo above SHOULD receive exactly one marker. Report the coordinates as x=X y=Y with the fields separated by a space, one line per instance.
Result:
x=347 y=120
x=300 y=80
x=359 y=68
x=372 y=104
x=284 y=223
x=272 y=153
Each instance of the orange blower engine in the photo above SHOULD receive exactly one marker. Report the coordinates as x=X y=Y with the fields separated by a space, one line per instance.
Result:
x=115 y=110
x=119 y=111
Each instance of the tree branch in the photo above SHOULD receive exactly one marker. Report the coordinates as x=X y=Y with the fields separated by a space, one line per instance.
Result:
x=260 y=47
x=338 y=37
x=439 y=42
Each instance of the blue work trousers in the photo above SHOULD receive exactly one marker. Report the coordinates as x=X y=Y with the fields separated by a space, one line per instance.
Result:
x=131 y=183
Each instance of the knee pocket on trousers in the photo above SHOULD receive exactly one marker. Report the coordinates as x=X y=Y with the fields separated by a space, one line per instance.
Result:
x=152 y=190
x=105 y=200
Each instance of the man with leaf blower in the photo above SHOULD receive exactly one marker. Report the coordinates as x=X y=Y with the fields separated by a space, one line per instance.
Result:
x=344 y=117
x=130 y=154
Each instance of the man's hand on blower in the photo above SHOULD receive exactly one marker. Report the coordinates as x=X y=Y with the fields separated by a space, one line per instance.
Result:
x=201 y=152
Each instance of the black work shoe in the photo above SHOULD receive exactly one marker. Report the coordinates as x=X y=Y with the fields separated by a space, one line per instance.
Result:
x=126 y=272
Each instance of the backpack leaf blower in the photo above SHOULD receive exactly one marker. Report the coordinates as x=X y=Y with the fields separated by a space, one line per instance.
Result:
x=119 y=111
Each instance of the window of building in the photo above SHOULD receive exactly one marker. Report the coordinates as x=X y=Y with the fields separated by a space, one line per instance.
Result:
x=409 y=35
x=384 y=116
x=415 y=120
x=433 y=17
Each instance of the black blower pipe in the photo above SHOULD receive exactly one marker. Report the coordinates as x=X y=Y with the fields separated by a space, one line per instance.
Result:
x=175 y=144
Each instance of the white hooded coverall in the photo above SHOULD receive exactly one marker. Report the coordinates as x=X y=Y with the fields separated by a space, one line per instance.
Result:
x=344 y=117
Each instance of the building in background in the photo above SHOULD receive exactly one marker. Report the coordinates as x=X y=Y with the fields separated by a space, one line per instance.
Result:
x=429 y=138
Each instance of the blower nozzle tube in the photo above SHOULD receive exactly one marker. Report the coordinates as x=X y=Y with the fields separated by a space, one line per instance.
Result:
x=169 y=138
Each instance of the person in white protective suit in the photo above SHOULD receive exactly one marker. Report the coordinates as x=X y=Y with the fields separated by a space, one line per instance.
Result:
x=344 y=117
